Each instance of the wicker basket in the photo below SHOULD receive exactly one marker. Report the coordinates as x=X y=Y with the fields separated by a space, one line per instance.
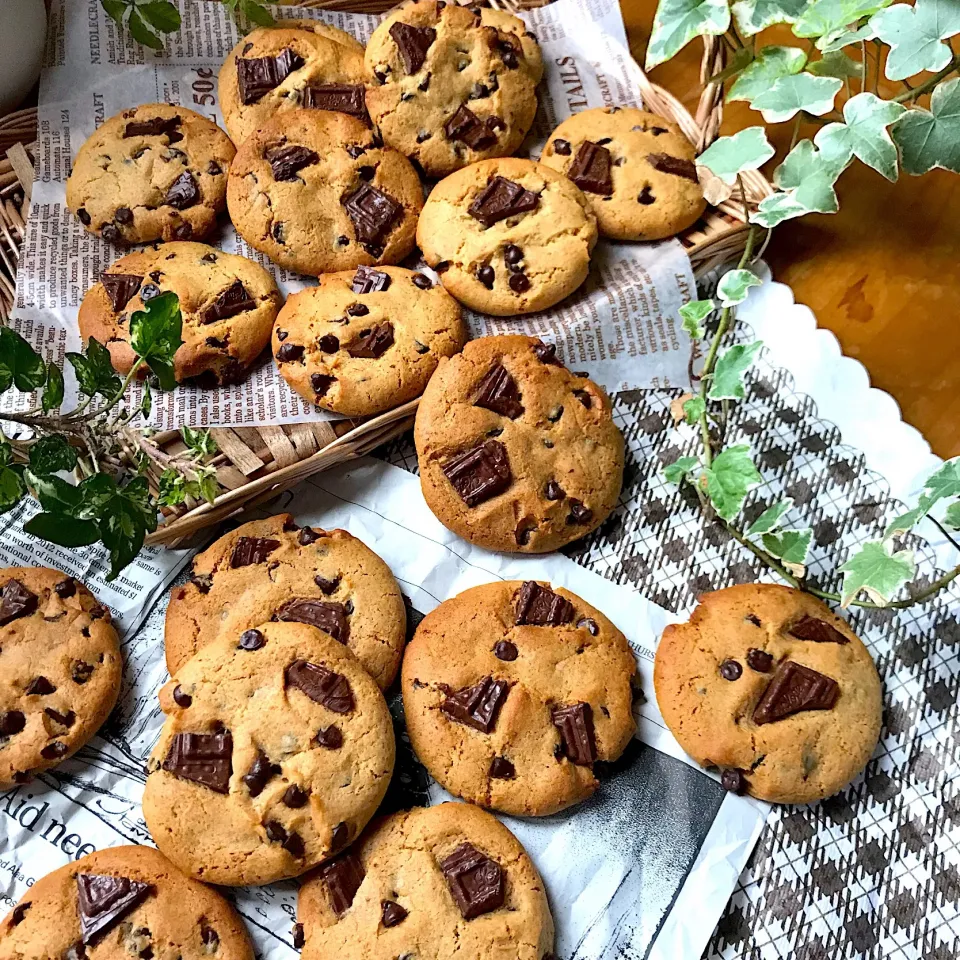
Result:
x=256 y=464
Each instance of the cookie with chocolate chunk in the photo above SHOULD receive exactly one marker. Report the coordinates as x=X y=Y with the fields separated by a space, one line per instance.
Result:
x=228 y=304
x=512 y=691
x=296 y=63
x=636 y=170
x=450 y=879
x=767 y=685
x=508 y=236
x=366 y=340
x=60 y=670
x=317 y=192
x=276 y=751
x=153 y=172
x=448 y=85
x=516 y=452
x=118 y=903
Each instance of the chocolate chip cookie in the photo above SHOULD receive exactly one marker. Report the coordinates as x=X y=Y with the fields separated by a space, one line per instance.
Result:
x=272 y=570
x=770 y=687
x=297 y=63
x=228 y=304
x=367 y=340
x=277 y=749
x=119 y=903
x=448 y=86
x=635 y=168
x=317 y=192
x=516 y=452
x=154 y=172
x=442 y=882
x=508 y=236
x=513 y=691
x=60 y=670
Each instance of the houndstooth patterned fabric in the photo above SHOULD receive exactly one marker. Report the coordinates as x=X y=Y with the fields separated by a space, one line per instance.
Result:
x=873 y=872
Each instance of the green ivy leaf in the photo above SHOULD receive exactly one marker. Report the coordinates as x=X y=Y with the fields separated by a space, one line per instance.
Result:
x=172 y=488
x=155 y=336
x=834 y=64
x=116 y=9
x=677 y=22
x=65 y=531
x=931 y=138
x=789 y=95
x=52 y=395
x=827 y=16
x=727 y=157
x=733 y=286
x=20 y=364
x=863 y=135
x=952 y=517
x=756 y=15
x=693 y=314
x=906 y=521
x=162 y=15
x=772 y=64
x=142 y=33
x=877 y=571
x=915 y=35
x=257 y=13
x=51 y=455
x=12 y=487
x=676 y=471
x=843 y=37
x=694 y=409
x=199 y=442
x=94 y=371
x=807 y=177
x=770 y=518
x=206 y=482
x=731 y=477
x=727 y=383
x=942 y=484
x=55 y=494
x=790 y=546
x=146 y=403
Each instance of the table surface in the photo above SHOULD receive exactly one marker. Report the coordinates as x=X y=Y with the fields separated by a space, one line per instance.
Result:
x=877 y=273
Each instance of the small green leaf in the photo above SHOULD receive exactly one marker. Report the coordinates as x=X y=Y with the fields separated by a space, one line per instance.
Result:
x=834 y=64
x=789 y=95
x=790 y=546
x=116 y=9
x=693 y=314
x=676 y=471
x=942 y=484
x=731 y=477
x=52 y=454
x=199 y=442
x=756 y=15
x=772 y=64
x=843 y=37
x=931 y=138
x=727 y=157
x=257 y=13
x=142 y=34
x=207 y=483
x=733 y=286
x=20 y=364
x=172 y=488
x=770 y=518
x=677 y=22
x=162 y=15
x=12 y=487
x=915 y=35
x=52 y=395
x=727 y=383
x=146 y=403
x=155 y=336
x=94 y=371
x=877 y=571
x=825 y=16
x=64 y=531
x=952 y=517
x=807 y=177
x=863 y=135
x=694 y=409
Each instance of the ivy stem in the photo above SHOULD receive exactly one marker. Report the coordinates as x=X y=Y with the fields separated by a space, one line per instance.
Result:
x=118 y=396
x=922 y=88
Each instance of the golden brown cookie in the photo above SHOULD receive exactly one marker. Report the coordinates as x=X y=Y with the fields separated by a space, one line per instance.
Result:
x=769 y=686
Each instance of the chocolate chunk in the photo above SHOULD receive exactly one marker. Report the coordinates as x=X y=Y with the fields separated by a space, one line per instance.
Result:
x=391 y=913
x=578 y=512
x=54 y=751
x=499 y=199
x=261 y=772
x=41 y=687
x=298 y=938
x=468 y=128
x=104 y=900
x=307 y=536
x=16 y=601
x=674 y=165
x=287 y=161
x=83 y=217
x=546 y=353
x=519 y=282
x=505 y=650
x=123 y=215
x=553 y=490
x=646 y=197
x=373 y=213
x=734 y=781
x=372 y=343
x=342 y=878
x=590 y=169
x=183 y=192
x=251 y=640
x=320 y=383
x=182 y=231
x=479 y=473
x=111 y=234
x=759 y=660
x=341 y=97
x=477 y=706
x=326 y=586
x=562 y=147
x=817 y=631
x=294 y=797
x=575 y=723
x=590 y=625
x=540 y=607
x=290 y=353
x=323 y=686
x=204 y=758
x=229 y=303
x=65 y=588
x=11 y=722
x=154 y=127
x=257 y=76
x=326 y=616
x=413 y=44
x=81 y=672
x=422 y=281
x=250 y=550
x=475 y=881
x=340 y=837
x=64 y=719
x=498 y=391
x=795 y=688
x=331 y=738
x=502 y=769
x=180 y=698
x=19 y=912
x=730 y=670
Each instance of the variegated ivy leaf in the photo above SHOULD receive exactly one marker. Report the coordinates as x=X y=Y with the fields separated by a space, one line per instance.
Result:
x=733 y=286
x=694 y=409
x=693 y=314
x=834 y=64
x=864 y=135
x=789 y=95
x=730 y=478
x=772 y=64
x=727 y=383
x=677 y=22
x=931 y=138
x=876 y=570
x=827 y=16
x=727 y=157
x=736 y=63
x=916 y=34
x=838 y=39
x=756 y=15
x=770 y=518
x=790 y=546
x=676 y=471
x=942 y=484
x=952 y=517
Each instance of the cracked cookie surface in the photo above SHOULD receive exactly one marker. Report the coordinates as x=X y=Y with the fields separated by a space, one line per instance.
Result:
x=765 y=683
x=277 y=749
x=512 y=691
x=252 y=574
x=228 y=304
x=516 y=452
x=316 y=192
x=368 y=340
x=154 y=172
x=508 y=236
x=636 y=170
x=437 y=883
x=448 y=86
x=124 y=902
x=60 y=670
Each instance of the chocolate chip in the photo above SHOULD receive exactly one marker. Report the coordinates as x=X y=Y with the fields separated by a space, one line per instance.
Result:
x=646 y=197
x=816 y=631
x=590 y=169
x=374 y=343
x=320 y=383
x=546 y=353
x=123 y=215
x=202 y=581
x=341 y=97
x=367 y=280
x=251 y=640
x=331 y=738
x=290 y=353
x=83 y=217
x=307 y=535
x=673 y=165
x=589 y=625
x=505 y=650
x=81 y=672
x=476 y=882
x=328 y=343
x=519 y=282
x=537 y=605
x=442 y=266
x=478 y=91
x=424 y=84
x=40 y=687
x=578 y=512
x=477 y=706
x=584 y=398
x=214 y=169
x=16 y=601
x=180 y=698
x=562 y=147
x=64 y=719
x=501 y=198
x=19 y=912
x=55 y=750
x=479 y=473
x=553 y=490
x=323 y=686
x=486 y=276
x=275 y=831
x=373 y=213
x=512 y=254
x=261 y=772
x=734 y=781
x=423 y=136
x=288 y=160
x=380 y=76
x=575 y=723
x=413 y=44
x=326 y=586
x=340 y=837
x=104 y=900
x=257 y=76
x=730 y=670
x=759 y=660
x=11 y=722
x=754 y=619
x=294 y=797
x=795 y=688
x=154 y=127
x=111 y=234
x=391 y=913
x=502 y=769
x=298 y=938
x=326 y=616
x=342 y=878
x=498 y=391
x=250 y=550
x=215 y=342
x=182 y=231
x=183 y=192
x=422 y=281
